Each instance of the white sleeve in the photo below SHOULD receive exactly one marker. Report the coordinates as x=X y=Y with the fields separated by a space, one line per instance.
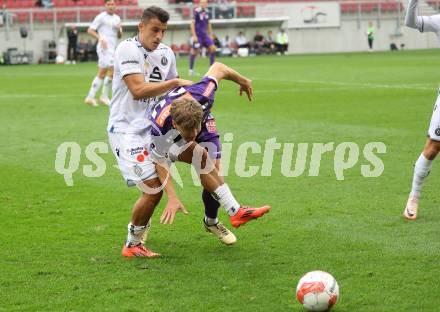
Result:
x=96 y=22
x=127 y=58
x=431 y=23
x=172 y=73
x=421 y=23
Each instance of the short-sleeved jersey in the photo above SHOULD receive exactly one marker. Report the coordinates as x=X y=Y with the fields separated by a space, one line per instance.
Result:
x=164 y=135
x=201 y=21
x=128 y=115
x=107 y=27
x=430 y=23
x=422 y=23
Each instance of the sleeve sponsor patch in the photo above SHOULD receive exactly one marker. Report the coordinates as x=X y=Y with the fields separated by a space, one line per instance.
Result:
x=130 y=62
x=160 y=120
x=210 y=126
x=209 y=88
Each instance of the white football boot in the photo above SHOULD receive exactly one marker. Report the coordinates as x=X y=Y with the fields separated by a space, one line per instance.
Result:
x=410 y=212
x=223 y=234
x=104 y=100
x=90 y=101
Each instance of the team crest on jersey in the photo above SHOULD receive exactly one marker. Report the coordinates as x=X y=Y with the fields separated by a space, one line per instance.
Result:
x=164 y=61
x=137 y=170
x=437 y=132
x=210 y=125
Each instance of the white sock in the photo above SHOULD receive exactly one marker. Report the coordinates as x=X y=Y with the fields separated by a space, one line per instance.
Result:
x=421 y=171
x=211 y=221
x=106 y=87
x=135 y=233
x=96 y=84
x=224 y=196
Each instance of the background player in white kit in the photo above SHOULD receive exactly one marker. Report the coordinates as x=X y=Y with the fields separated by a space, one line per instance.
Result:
x=144 y=69
x=106 y=28
x=432 y=147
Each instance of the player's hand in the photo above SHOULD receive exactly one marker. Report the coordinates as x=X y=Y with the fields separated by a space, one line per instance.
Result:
x=103 y=43
x=246 y=87
x=169 y=213
x=184 y=82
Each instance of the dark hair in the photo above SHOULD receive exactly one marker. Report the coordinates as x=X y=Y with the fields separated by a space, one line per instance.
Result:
x=155 y=12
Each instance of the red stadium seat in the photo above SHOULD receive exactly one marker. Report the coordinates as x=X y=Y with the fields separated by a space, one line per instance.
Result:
x=184 y=48
x=175 y=48
x=23 y=17
x=39 y=17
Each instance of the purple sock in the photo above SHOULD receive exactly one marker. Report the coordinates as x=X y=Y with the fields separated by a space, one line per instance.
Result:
x=211 y=58
x=192 y=58
x=211 y=205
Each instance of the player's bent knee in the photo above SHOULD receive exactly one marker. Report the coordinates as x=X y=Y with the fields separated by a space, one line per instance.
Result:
x=151 y=189
x=432 y=149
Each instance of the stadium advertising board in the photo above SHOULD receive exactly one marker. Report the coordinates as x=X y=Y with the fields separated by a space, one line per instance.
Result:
x=304 y=14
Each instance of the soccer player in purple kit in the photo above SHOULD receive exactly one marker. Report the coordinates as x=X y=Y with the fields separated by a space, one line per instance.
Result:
x=182 y=128
x=201 y=32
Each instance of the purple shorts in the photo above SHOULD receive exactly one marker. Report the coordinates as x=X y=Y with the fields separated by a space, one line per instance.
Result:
x=209 y=139
x=204 y=41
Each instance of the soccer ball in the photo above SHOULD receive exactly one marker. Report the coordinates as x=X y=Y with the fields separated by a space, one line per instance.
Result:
x=317 y=291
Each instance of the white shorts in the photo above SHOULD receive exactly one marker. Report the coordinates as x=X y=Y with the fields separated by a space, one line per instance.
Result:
x=105 y=57
x=434 y=126
x=133 y=159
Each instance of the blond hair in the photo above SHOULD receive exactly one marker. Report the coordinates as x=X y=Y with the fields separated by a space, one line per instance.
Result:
x=187 y=113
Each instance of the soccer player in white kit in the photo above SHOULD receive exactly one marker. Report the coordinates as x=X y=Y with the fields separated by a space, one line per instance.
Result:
x=106 y=28
x=144 y=69
x=432 y=147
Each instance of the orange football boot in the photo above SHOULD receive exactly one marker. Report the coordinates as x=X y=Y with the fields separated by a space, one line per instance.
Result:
x=138 y=251
x=246 y=214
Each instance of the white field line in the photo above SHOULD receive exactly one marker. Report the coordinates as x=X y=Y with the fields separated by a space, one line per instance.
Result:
x=415 y=86
x=342 y=86
x=30 y=96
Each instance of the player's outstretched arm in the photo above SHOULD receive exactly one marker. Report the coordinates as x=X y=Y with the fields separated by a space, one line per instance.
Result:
x=411 y=18
x=422 y=23
x=141 y=89
x=174 y=204
x=220 y=71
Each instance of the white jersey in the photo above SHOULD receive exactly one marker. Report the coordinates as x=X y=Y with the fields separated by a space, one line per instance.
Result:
x=128 y=115
x=107 y=27
x=422 y=23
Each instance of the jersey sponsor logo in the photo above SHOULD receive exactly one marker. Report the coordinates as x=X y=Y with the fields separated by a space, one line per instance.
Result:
x=135 y=150
x=156 y=75
x=210 y=126
x=164 y=61
x=129 y=62
x=209 y=88
x=160 y=120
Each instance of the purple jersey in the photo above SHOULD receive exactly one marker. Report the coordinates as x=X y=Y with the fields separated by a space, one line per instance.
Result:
x=201 y=21
x=162 y=127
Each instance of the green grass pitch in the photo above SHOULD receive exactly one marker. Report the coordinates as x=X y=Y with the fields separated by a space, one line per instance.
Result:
x=60 y=245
